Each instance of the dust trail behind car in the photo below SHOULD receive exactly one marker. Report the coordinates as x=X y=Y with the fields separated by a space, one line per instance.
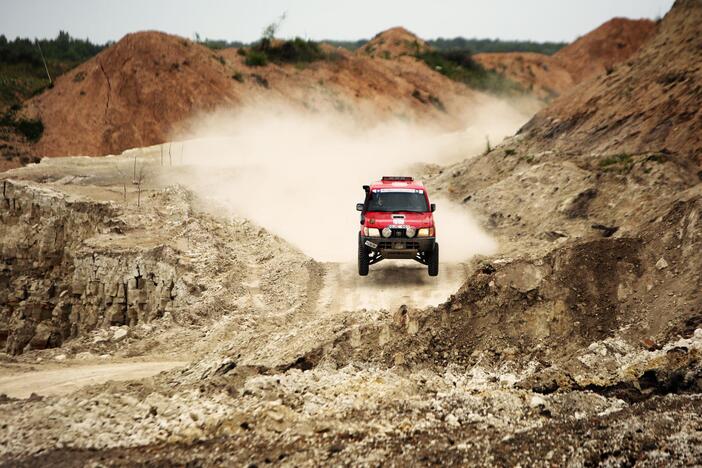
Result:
x=300 y=175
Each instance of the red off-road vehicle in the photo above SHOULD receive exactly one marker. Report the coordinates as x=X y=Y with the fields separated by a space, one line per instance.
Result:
x=397 y=222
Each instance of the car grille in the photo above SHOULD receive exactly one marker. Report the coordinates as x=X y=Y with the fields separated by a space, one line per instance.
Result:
x=408 y=245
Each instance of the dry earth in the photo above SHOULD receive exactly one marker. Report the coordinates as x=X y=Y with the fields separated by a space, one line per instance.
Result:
x=596 y=53
x=579 y=343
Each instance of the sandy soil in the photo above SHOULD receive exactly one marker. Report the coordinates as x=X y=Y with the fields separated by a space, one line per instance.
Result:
x=61 y=380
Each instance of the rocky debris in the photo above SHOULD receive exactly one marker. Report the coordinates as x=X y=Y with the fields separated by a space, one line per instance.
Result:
x=73 y=264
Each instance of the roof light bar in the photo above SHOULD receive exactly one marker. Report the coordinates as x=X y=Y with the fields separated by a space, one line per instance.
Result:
x=397 y=179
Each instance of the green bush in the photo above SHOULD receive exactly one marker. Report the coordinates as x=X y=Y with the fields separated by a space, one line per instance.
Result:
x=256 y=58
x=31 y=129
x=297 y=51
x=294 y=51
x=458 y=65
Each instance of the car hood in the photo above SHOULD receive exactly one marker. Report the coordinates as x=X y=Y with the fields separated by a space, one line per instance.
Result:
x=381 y=219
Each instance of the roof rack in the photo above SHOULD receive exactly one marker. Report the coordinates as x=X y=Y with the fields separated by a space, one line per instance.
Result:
x=397 y=179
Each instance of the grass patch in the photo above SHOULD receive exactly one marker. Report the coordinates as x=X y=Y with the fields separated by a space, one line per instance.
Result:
x=621 y=158
x=621 y=162
x=458 y=65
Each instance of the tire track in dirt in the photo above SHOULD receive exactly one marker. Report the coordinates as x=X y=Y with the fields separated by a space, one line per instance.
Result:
x=388 y=286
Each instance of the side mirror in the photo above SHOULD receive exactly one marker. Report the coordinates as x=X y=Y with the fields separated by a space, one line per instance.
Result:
x=359 y=206
x=433 y=207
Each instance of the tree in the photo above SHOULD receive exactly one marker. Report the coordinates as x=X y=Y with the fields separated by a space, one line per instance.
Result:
x=271 y=30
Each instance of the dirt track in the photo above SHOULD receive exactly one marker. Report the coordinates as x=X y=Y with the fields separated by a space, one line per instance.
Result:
x=389 y=285
x=67 y=379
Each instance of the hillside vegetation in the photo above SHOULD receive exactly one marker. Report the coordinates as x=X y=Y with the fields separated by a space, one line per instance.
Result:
x=22 y=71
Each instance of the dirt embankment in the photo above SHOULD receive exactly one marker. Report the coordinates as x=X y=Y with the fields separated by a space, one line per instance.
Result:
x=651 y=103
x=539 y=74
x=596 y=53
x=600 y=50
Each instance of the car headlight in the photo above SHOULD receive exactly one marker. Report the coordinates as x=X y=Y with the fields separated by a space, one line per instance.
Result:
x=410 y=231
x=371 y=232
x=387 y=232
x=425 y=232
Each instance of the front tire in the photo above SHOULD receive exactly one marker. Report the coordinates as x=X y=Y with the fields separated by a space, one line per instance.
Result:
x=362 y=257
x=434 y=261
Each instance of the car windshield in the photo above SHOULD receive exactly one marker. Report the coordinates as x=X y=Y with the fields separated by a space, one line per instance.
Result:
x=398 y=200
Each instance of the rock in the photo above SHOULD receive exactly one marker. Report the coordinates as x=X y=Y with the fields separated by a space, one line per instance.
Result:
x=536 y=401
x=649 y=344
x=522 y=276
x=119 y=335
x=60 y=357
x=44 y=337
x=607 y=231
x=452 y=421
x=661 y=264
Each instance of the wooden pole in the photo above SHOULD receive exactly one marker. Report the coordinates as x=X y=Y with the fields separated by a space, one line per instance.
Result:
x=46 y=67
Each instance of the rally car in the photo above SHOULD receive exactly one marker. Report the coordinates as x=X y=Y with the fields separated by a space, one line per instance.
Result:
x=397 y=222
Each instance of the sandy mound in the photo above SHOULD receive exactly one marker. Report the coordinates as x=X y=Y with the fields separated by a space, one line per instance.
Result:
x=130 y=95
x=393 y=43
x=652 y=103
x=141 y=90
x=593 y=54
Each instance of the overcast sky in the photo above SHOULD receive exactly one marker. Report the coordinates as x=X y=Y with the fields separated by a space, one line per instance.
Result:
x=103 y=20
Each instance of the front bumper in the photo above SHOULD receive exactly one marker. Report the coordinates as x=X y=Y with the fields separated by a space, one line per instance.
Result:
x=399 y=247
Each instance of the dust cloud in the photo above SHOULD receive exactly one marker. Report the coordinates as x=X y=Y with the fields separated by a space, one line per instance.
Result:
x=299 y=174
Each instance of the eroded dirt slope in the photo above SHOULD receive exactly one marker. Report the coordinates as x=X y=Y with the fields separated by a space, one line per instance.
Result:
x=542 y=75
x=651 y=103
x=596 y=53
x=601 y=49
